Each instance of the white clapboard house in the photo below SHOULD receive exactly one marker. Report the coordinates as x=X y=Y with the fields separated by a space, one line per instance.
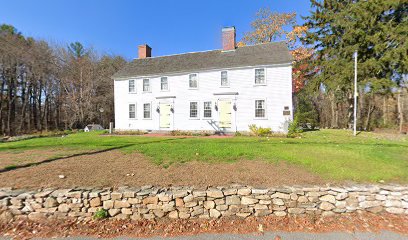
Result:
x=223 y=90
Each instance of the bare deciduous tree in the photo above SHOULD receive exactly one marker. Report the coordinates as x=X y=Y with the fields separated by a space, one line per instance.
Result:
x=52 y=88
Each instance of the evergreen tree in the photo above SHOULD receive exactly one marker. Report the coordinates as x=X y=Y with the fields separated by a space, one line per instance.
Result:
x=377 y=29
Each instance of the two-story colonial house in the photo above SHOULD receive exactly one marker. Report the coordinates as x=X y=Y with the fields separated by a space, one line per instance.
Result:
x=222 y=90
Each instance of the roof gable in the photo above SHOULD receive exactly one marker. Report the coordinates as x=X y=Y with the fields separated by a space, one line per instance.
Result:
x=261 y=54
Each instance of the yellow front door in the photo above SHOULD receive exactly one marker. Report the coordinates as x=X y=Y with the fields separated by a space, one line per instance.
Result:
x=225 y=113
x=165 y=115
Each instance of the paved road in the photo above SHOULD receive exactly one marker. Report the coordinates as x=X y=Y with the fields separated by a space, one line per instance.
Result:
x=271 y=236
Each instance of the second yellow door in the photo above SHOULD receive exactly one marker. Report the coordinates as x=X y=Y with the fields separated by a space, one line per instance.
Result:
x=225 y=113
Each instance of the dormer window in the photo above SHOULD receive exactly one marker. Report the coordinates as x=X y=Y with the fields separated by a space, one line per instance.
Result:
x=132 y=88
x=146 y=85
x=193 y=81
x=224 y=79
x=260 y=76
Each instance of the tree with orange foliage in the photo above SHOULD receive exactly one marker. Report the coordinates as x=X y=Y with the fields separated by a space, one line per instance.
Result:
x=301 y=56
x=269 y=26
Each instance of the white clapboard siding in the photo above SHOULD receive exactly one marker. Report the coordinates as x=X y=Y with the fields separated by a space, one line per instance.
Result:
x=277 y=93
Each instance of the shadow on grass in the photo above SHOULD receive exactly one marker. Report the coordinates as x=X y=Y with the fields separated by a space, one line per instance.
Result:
x=15 y=167
x=310 y=129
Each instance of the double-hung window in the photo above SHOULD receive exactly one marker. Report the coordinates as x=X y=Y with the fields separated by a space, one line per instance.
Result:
x=147 y=111
x=164 y=84
x=224 y=79
x=132 y=111
x=193 y=109
x=207 y=109
x=260 y=76
x=146 y=85
x=132 y=86
x=260 y=109
x=193 y=81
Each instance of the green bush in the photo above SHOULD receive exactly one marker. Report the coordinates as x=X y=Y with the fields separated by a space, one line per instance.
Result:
x=294 y=129
x=259 y=131
x=306 y=112
x=100 y=214
x=238 y=134
x=68 y=131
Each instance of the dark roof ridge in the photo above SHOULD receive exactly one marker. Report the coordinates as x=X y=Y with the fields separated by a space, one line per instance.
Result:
x=252 y=55
x=204 y=51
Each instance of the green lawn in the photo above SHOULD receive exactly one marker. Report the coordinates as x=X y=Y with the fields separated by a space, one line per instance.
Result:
x=332 y=154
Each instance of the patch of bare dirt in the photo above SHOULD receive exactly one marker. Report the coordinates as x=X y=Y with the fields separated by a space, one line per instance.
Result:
x=119 y=228
x=18 y=158
x=390 y=134
x=114 y=168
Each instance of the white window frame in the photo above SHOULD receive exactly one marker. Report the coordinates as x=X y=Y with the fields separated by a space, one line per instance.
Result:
x=134 y=85
x=228 y=82
x=198 y=110
x=129 y=111
x=211 y=108
x=149 y=110
x=260 y=84
x=265 y=108
x=143 y=85
x=167 y=79
x=192 y=88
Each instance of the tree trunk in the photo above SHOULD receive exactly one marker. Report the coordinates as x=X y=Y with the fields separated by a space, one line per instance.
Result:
x=333 y=112
x=81 y=110
x=24 y=106
x=3 y=83
x=385 y=111
x=336 y=120
x=44 y=118
x=34 y=108
x=370 y=110
x=360 y=109
x=11 y=114
x=350 y=110
x=29 y=117
x=39 y=100
x=400 y=111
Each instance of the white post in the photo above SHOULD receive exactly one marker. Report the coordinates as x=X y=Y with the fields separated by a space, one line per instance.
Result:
x=110 y=127
x=355 y=94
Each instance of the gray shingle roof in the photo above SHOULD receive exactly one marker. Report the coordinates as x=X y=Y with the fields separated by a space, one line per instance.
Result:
x=261 y=54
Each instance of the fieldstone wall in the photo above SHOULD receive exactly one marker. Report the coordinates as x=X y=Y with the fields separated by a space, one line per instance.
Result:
x=149 y=202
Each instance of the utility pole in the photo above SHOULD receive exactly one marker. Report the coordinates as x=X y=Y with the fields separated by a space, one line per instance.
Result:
x=355 y=94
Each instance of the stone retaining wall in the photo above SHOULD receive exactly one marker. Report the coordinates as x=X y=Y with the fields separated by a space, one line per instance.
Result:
x=240 y=201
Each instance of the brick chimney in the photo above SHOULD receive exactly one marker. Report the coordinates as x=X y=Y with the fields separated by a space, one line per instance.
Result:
x=145 y=51
x=228 y=38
